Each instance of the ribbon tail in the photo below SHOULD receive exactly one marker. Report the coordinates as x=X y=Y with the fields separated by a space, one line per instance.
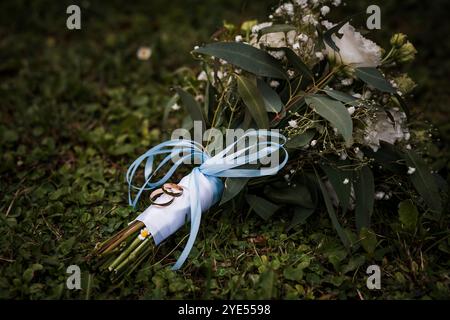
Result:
x=196 y=215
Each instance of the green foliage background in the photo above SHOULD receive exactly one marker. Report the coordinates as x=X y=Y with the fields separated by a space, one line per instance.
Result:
x=78 y=106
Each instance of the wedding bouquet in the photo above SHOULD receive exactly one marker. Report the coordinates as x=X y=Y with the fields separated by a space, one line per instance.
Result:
x=339 y=104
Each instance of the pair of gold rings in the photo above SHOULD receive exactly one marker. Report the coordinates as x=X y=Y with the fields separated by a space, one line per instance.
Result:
x=171 y=189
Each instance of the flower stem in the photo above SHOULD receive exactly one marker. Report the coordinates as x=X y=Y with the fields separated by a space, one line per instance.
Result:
x=124 y=254
x=132 y=256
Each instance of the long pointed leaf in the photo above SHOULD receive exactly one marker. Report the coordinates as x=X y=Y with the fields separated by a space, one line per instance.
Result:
x=374 y=78
x=194 y=109
x=424 y=181
x=334 y=220
x=253 y=100
x=245 y=57
x=335 y=112
x=364 y=191
x=272 y=100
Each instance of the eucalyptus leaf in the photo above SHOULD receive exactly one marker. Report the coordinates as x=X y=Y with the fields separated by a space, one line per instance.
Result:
x=194 y=109
x=297 y=63
x=334 y=220
x=423 y=181
x=265 y=209
x=401 y=102
x=300 y=140
x=374 y=78
x=387 y=156
x=292 y=195
x=246 y=57
x=301 y=214
x=337 y=177
x=365 y=197
x=253 y=100
x=335 y=112
x=272 y=100
x=232 y=187
x=341 y=96
x=328 y=35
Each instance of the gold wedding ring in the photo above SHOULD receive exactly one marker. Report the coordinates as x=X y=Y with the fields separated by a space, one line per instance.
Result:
x=172 y=189
x=155 y=194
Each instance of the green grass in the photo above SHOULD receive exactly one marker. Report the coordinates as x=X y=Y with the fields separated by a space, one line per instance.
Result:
x=78 y=106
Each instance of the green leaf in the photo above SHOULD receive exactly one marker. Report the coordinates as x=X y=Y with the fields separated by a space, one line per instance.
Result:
x=341 y=96
x=294 y=274
x=408 y=214
x=387 y=156
x=365 y=197
x=334 y=220
x=368 y=240
x=194 y=109
x=298 y=195
x=300 y=216
x=354 y=263
x=253 y=100
x=297 y=63
x=265 y=209
x=423 y=181
x=327 y=37
x=232 y=187
x=401 y=102
x=272 y=100
x=335 y=112
x=245 y=57
x=342 y=190
x=301 y=139
x=276 y=28
x=374 y=78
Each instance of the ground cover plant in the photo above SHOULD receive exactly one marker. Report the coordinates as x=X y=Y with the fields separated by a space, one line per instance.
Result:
x=78 y=107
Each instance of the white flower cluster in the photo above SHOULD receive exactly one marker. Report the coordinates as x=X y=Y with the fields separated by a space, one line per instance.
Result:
x=306 y=13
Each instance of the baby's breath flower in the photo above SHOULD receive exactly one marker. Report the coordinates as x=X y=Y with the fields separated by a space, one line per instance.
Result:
x=320 y=55
x=175 y=107
x=293 y=124
x=309 y=19
x=347 y=81
x=337 y=3
x=379 y=195
x=351 y=110
x=274 y=84
x=325 y=10
x=303 y=37
x=327 y=24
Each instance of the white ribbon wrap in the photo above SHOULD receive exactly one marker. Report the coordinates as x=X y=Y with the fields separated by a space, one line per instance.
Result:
x=162 y=222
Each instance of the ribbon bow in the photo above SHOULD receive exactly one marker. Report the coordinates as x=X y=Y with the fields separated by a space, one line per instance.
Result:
x=227 y=163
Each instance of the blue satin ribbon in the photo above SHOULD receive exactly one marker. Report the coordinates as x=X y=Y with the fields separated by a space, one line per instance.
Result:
x=227 y=163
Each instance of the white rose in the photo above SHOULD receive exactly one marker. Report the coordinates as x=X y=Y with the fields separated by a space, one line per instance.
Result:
x=355 y=50
x=383 y=129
